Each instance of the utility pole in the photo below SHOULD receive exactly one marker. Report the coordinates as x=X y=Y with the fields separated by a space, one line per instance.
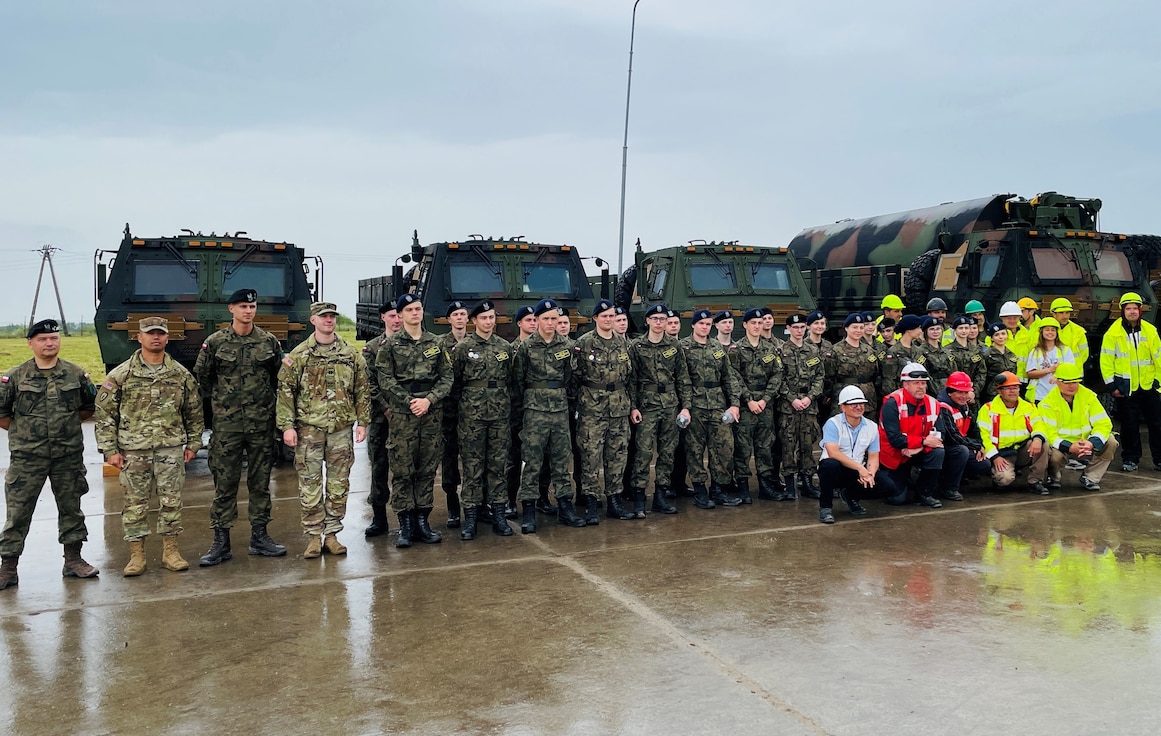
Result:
x=46 y=252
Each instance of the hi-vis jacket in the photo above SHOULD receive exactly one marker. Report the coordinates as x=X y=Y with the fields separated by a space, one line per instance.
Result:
x=1002 y=428
x=1129 y=358
x=1061 y=424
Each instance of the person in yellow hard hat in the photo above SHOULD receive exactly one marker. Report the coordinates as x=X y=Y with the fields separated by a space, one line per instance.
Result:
x=892 y=307
x=1130 y=360
x=1076 y=427
x=1071 y=335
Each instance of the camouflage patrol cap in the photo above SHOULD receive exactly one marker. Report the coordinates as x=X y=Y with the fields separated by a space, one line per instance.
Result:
x=153 y=324
x=699 y=315
x=525 y=311
x=43 y=327
x=795 y=319
x=455 y=307
x=320 y=308
x=545 y=306
x=724 y=314
x=403 y=301
x=484 y=306
x=249 y=296
x=602 y=305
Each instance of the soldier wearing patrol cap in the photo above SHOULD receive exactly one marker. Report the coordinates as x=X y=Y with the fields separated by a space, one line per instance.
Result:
x=237 y=370
x=377 y=430
x=852 y=362
x=42 y=404
x=802 y=382
x=449 y=476
x=149 y=425
x=759 y=366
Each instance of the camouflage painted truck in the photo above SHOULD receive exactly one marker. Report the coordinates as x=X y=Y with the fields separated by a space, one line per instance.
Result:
x=508 y=271
x=994 y=249
x=714 y=276
x=188 y=278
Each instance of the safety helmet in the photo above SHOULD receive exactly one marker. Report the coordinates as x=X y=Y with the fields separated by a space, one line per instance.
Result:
x=852 y=395
x=1069 y=373
x=1061 y=305
x=959 y=381
x=891 y=301
x=1047 y=322
x=936 y=304
x=973 y=307
x=1006 y=379
x=1132 y=298
x=1012 y=309
x=914 y=372
x=1027 y=303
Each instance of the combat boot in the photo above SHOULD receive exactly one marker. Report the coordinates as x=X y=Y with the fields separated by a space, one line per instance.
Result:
x=500 y=524
x=592 y=511
x=766 y=490
x=262 y=544
x=791 y=492
x=510 y=511
x=332 y=545
x=426 y=534
x=171 y=558
x=219 y=551
x=807 y=487
x=544 y=506
x=379 y=524
x=743 y=487
x=136 y=564
x=453 y=509
x=469 y=530
x=566 y=513
x=639 y=504
x=722 y=496
x=614 y=509
x=406 y=528
x=701 y=497
x=313 y=547
x=484 y=514
x=660 y=500
x=8 y=576
x=528 y=520
x=75 y=565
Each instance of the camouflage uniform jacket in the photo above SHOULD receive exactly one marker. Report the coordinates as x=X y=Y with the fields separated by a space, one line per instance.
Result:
x=239 y=374
x=759 y=369
x=323 y=386
x=714 y=384
x=938 y=363
x=853 y=366
x=45 y=408
x=997 y=363
x=448 y=342
x=370 y=357
x=139 y=408
x=970 y=360
x=661 y=375
x=604 y=371
x=824 y=346
x=413 y=369
x=542 y=373
x=483 y=376
x=802 y=375
x=891 y=363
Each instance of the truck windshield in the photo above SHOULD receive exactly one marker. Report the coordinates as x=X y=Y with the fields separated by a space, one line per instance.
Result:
x=1054 y=265
x=151 y=278
x=712 y=277
x=771 y=277
x=475 y=278
x=548 y=278
x=268 y=279
x=1113 y=268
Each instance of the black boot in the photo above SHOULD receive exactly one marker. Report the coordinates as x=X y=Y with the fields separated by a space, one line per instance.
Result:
x=423 y=529
x=722 y=496
x=806 y=486
x=743 y=487
x=639 y=504
x=701 y=497
x=766 y=490
x=510 y=511
x=566 y=513
x=379 y=524
x=469 y=530
x=791 y=491
x=484 y=513
x=592 y=511
x=219 y=551
x=406 y=528
x=261 y=543
x=661 y=500
x=528 y=520
x=614 y=509
x=453 y=509
x=499 y=523
x=544 y=506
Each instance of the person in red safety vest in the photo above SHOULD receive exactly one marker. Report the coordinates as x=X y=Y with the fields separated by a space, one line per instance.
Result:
x=909 y=439
x=963 y=450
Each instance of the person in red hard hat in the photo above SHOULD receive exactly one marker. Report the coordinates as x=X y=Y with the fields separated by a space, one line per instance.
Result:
x=963 y=448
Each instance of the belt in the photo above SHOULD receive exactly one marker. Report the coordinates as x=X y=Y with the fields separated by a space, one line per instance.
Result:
x=416 y=387
x=546 y=384
x=604 y=386
x=483 y=383
x=713 y=384
x=758 y=387
x=657 y=388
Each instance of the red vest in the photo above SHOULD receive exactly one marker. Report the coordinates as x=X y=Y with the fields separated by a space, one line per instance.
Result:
x=963 y=420
x=912 y=424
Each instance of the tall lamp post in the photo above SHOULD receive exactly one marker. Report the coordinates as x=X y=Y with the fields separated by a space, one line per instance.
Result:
x=625 y=147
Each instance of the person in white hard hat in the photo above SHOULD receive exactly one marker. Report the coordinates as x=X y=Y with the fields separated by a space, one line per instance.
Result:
x=850 y=458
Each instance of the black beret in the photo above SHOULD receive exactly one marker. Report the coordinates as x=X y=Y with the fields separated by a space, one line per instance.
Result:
x=43 y=327
x=886 y=323
x=855 y=318
x=455 y=307
x=405 y=300
x=961 y=320
x=795 y=319
x=385 y=308
x=753 y=313
x=544 y=306
x=724 y=314
x=699 y=315
x=484 y=306
x=657 y=310
x=243 y=295
x=525 y=311
x=815 y=316
x=602 y=305
x=619 y=311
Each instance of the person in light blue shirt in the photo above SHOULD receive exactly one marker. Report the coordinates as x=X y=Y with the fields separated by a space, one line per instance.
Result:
x=850 y=458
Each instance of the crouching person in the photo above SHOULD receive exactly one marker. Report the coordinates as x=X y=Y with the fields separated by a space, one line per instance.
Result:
x=850 y=458
x=963 y=451
x=1076 y=427
x=909 y=439
x=1006 y=430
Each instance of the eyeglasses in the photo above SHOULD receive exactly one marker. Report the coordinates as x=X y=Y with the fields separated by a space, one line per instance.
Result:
x=916 y=376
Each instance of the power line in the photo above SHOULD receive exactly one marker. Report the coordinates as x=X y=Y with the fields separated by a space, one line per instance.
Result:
x=46 y=252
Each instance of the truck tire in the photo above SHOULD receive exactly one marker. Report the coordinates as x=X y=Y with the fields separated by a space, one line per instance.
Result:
x=626 y=282
x=917 y=282
x=1145 y=249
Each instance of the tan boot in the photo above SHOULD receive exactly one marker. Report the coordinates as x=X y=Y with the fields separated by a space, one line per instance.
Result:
x=136 y=564
x=75 y=565
x=333 y=546
x=171 y=558
x=8 y=576
x=313 y=547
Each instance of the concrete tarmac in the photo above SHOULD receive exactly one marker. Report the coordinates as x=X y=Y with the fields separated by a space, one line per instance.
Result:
x=1004 y=614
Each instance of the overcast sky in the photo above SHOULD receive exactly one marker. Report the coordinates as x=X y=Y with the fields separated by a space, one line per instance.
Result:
x=342 y=126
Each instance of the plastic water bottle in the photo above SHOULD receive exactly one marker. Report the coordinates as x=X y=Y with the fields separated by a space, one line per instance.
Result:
x=682 y=421
x=728 y=417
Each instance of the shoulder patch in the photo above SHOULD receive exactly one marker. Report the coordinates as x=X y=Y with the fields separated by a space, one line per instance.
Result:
x=288 y=361
x=107 y=385
x=4 y=379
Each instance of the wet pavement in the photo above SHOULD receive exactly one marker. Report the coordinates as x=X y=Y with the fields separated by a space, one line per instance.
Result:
x=1006 y=613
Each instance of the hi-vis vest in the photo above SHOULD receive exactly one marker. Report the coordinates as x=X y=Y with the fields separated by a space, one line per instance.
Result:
x=1060 y=423
x=914 y=426
x=1133 y=358
x=962 y=420
x=1001 y=427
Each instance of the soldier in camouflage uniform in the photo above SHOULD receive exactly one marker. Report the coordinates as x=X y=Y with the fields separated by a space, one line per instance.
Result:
x=603 y=373
x=237 y=369
x=542 y=375
x=449 y=476
x=965 y=355
x=816 y=325
x=998 y=359
x=802 y=381
x=377 y=430
x=680 y=472
x=933 y=357
x=525 y=320
x=415 y=374
x=149 y=425
x=760 y=369
x=42 y=404
x=482 y=367
x=853 y=362
x=322 y=392
x=903 y=351
x=660 y=395
x=714 y=388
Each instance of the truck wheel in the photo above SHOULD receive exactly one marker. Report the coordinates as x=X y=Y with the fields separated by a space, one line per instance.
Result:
x=626 y=282
x=917 y=282
x=1146 y=249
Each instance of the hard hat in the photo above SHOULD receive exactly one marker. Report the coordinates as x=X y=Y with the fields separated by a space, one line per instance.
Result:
x=1006 y=379
x=1047 y=322
x=1069 y=373
x=1061 y=305
x=973 y=307
x=936 y=304
x=891 y=301
x=959 y=381
x=1027 y=303
x=852 y=395
x=1132 y=298
x=1012 y=309
x=914 y=372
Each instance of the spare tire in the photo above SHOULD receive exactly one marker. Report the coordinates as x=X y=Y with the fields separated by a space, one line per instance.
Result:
x=917 y=282
x=626 y=283
x=1145 y=249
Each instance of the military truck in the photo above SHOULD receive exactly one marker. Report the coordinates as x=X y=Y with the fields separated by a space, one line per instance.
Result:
x=187 y=279
x=715 y=276
x=994 y=249
x=508 y=271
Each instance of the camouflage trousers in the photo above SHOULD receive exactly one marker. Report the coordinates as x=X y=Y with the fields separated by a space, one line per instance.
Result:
x=603 y=443
x=160 y=471
x=380 y=464
x=706 y=432
x=484 y=452
x=226 y=452
x=449 y=472
x=324 y=505
x=415 y=445
x=22 y=486
x=657 y=430
x=515 y=456
x=545 y=439
x=754 y=437
x=799 y=434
